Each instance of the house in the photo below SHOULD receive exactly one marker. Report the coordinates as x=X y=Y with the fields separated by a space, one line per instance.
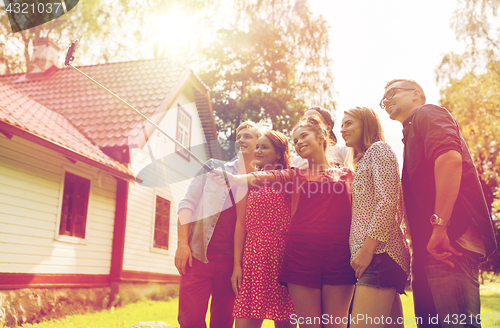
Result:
x=132 y=238
x=59 y=199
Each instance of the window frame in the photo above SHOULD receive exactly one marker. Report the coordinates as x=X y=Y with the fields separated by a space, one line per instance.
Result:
x=179 y=150
x=68 y=238
x=155 y=248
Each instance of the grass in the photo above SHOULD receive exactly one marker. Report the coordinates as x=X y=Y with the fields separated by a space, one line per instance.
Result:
x=126 y=316
x=166 y=311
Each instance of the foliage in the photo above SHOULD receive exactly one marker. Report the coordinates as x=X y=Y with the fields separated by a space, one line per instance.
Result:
x=270 y=63
x=474 y=101
x=471 y=85
x=305 y=40
x=250 y=79
x=85 y=19
x=115 y=30
x=476 y=24
x=490 y=304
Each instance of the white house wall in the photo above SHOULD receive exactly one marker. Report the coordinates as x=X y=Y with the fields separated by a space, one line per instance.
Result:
x=31 y=184
x=177 y=172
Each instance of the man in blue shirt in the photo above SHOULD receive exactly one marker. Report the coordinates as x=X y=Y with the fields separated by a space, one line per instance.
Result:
x=450 y=224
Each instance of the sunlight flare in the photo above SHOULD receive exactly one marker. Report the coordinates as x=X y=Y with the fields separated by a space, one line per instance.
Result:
x=173 y=30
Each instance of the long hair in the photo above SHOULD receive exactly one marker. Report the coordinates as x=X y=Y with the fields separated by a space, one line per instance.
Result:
x=281 y=146
x=371 y=129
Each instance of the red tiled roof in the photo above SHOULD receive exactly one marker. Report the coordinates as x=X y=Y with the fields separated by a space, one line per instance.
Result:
x=148 y=85
x=20 y=114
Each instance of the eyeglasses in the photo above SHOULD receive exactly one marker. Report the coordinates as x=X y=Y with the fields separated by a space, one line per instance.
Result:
x=390 y=94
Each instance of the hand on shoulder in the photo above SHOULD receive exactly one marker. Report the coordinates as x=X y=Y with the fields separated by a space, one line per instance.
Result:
x=346 y=173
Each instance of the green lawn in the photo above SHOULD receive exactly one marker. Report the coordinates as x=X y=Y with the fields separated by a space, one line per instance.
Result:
x=167 y=312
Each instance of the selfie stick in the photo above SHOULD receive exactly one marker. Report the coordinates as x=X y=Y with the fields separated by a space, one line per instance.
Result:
x=70 y=58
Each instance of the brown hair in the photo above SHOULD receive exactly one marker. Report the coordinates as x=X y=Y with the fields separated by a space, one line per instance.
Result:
x=280 y=144
x=371 y=128
x=319 y=128
x=413 y=83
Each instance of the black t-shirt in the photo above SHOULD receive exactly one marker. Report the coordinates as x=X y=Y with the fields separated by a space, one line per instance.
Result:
x=429 y=132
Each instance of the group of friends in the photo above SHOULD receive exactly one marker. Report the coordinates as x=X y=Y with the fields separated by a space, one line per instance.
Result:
x=321 y=240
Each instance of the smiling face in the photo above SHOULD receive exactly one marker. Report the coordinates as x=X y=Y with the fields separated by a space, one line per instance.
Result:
x=307 y=144
x=246 y=141
x=265 y=154
x=404 y=100
x=352 y=132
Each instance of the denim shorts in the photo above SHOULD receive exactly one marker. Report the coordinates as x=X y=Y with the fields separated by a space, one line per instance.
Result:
x=315 y=264
x=384 y=272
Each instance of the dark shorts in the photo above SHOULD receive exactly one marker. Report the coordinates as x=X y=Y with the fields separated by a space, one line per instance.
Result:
x=313 y=264
x=384 y=272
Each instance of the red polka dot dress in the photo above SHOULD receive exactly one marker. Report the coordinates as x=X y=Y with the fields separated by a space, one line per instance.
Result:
x=267 y=221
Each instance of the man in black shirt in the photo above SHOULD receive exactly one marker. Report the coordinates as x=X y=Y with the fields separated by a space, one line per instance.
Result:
x=450 y=224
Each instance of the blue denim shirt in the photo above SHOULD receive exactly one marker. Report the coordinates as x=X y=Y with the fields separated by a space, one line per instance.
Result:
x=205 y=200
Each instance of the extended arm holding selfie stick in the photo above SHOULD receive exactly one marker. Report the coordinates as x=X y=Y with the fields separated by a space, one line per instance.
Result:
x=70 y=58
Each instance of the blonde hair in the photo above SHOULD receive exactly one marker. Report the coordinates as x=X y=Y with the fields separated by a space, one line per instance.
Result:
x=256 y=128
x=370 y=127
x=413 y=83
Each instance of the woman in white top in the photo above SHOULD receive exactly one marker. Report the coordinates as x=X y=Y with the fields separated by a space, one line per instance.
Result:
x=336 y=155
x=379 y=253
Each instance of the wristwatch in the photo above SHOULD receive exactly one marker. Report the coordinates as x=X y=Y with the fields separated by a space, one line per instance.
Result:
x=436 y=220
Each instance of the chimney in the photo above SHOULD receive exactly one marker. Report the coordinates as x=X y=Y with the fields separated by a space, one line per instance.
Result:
x=45 y=55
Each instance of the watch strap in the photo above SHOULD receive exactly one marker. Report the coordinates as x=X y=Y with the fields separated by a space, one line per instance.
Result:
x=436 y=220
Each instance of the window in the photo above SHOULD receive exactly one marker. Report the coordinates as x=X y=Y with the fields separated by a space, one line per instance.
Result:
x=162 y=223
x=183 y=132
x=74 y=206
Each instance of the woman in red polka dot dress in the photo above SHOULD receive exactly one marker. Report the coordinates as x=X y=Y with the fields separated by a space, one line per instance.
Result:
x=316 y=261
x=263 y=231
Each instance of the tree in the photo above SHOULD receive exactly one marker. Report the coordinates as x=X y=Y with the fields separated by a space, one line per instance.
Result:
x=474 y=101
x=270 y=63
x=108 y=31
x=306 y=41
x=477 y=24
x=471 y=85
x=76 y=23
x=250 y=79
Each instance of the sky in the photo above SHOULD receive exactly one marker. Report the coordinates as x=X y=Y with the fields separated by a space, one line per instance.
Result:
x=375 y=41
